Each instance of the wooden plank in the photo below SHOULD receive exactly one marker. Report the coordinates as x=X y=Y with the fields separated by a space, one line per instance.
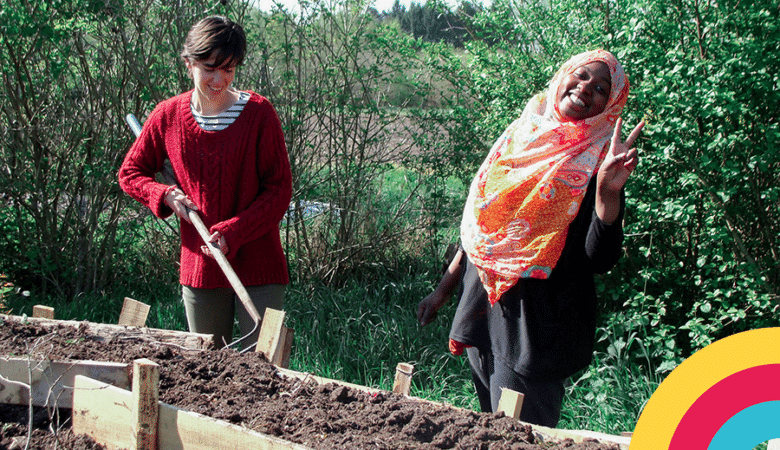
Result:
x=134 y=313
x=108 y=332
x=186 y=430
x=271 y=335
x=146 y=387
x=52 y=381
x=103 y=412
x=403 y=378
x=511 y=403
x=43 y=312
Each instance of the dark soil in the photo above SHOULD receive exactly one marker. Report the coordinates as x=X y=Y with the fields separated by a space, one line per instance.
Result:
x=246 y=390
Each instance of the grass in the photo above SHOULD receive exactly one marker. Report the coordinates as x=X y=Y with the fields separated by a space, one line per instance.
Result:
x=359 y=333
x=609 y=395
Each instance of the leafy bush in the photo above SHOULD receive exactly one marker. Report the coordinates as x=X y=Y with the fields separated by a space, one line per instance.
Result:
x=71 y=72
x=703 y=227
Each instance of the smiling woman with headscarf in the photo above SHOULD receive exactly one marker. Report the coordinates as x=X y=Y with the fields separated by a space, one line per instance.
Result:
x=543 y=215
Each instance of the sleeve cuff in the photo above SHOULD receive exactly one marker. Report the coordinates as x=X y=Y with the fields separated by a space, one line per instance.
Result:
x=161 y=209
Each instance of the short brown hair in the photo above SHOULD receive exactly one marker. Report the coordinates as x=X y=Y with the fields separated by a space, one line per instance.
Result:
x=216 y=34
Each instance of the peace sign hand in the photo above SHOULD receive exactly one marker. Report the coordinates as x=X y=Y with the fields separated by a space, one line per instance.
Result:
x=620 y=161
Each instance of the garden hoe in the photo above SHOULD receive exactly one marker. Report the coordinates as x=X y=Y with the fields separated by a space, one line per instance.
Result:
x=224 y=264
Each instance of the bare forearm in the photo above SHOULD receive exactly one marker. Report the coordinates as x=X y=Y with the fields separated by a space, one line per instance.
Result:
x=426 y=309
x=451 y=277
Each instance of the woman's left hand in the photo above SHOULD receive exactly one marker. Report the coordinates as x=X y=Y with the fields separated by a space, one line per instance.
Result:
x=620 y=161
x=215 y=240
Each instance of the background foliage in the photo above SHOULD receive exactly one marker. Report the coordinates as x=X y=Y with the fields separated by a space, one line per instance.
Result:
x=387 y=116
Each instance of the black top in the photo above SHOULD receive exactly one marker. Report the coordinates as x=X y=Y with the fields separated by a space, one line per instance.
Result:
x=545 y=329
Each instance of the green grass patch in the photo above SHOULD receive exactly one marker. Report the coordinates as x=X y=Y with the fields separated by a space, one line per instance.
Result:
x=609 y=395
x=360 y=332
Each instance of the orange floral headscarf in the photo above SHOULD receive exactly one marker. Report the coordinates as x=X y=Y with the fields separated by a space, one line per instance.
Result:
x=531 y=185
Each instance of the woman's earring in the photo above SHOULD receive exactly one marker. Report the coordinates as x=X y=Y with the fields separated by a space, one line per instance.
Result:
x=188 y=65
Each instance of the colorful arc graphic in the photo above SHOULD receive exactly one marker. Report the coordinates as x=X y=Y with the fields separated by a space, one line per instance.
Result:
x=725 y=396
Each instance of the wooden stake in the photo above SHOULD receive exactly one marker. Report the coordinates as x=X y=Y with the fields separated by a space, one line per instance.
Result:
x=43 y=312
x=511 y=403
x=146 y=381
x=286 y=347
x=403 y=378
x=134 y=313
x=270 y=338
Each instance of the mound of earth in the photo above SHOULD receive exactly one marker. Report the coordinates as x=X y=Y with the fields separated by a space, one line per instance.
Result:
x=244 y=389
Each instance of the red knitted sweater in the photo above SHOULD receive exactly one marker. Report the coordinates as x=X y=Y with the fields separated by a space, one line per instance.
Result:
x=238 y=177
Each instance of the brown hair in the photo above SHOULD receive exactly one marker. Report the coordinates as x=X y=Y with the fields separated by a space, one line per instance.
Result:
x=216 y=34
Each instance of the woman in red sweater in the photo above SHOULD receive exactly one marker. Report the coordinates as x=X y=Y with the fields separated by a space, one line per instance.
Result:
x=228 y=154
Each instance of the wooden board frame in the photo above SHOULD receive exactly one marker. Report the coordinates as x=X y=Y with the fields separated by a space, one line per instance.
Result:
x=172 y=415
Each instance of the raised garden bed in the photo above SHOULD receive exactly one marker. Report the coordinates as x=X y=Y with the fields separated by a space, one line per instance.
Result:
x=247 y=391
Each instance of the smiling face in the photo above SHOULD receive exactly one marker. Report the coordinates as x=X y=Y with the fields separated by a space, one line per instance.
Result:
x=211 y=83
x=584 y=93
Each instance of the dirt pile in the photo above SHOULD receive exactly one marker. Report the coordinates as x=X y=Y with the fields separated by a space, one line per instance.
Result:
x=246 y=390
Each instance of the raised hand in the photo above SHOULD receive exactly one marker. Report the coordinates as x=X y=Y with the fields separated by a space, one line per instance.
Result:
x=620 y=161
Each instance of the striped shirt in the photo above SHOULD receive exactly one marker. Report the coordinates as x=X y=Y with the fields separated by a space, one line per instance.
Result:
x=223 y=119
